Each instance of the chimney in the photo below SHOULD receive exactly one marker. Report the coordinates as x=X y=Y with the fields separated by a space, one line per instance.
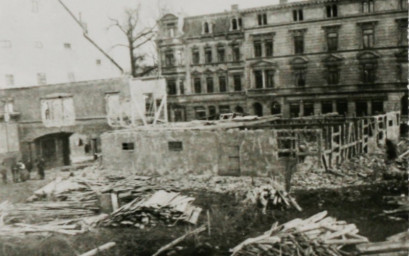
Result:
x=234 y=7
x=283 y=1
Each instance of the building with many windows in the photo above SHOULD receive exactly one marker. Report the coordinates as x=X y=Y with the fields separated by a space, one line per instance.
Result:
x=295 y=59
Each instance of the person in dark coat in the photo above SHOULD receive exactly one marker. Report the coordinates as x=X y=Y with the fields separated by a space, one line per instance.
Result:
x=15 y=173
x=29 y=167
x=40 y=168
x=3 y=171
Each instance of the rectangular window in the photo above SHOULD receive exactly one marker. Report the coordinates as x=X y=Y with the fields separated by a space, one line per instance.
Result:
x=41 y=79
x=308 y=109
x=200 y=113
x=299 y=44
x=332 y=11
x=269 y=78
x=9 y=80
x=71 y=77
x=342 y=107
x=224 y=109
x=198 y=85
x=212 y=112
x=98 y=62
x=367 y=6
x=169 y=59
x=326 y=107
x=67 y=45
x=236 y=52
x=257 y=49
x=368 y=38
x=170 y=27
x=332 y=41
x=403 y=35
x=258 y=78
x=237 y=83
x=208 y=55
x=58 y=111
x=209 y=83
x=171 y=86
x=5 y=44
x=298 y=15
x=222 y=84
x=221 y=54
x=403 y=4
x=269 y=48
x=368 y=73
x=294 y=110
x=195 y=56
x=175 y=145
x=300 y=77
x=333 y=75
x=128 y=146
x=181 y=87
x=262 y=19
x=377 y=107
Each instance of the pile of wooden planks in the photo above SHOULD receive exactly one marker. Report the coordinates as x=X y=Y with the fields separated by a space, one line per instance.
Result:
x=167 y=207
x=402 y=210
x=316 y=235
x=271 y=196
x=396 y=245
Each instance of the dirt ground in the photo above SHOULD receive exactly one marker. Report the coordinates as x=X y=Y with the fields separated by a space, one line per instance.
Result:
x=231 y=222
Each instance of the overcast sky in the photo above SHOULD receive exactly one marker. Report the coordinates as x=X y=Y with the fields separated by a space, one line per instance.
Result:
x=96 y=14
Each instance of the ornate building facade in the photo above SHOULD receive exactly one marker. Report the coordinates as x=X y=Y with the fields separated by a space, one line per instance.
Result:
x=295 y=59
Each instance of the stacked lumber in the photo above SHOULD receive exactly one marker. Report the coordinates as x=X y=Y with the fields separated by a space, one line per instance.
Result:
x=316 y=235
x=396 y=245
x=271 y=196
x=401 y=212
x=166 y=207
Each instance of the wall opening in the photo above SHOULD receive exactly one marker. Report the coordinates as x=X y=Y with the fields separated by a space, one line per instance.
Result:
x=258 y=109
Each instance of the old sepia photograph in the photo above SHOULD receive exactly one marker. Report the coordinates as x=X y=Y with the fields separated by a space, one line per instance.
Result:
x=204 y=128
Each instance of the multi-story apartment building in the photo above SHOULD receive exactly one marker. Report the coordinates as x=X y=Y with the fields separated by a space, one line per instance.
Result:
x=297 y=59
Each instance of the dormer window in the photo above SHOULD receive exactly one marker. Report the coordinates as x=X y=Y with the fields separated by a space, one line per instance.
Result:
x=236 y=24
x=170 y=27
x=169 y=58
x=262 y=19
x=298 y=15
x=332 y=11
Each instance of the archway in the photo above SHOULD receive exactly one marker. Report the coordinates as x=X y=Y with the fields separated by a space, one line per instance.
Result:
x=258 y=109
x=54 y=149
x=275 y=108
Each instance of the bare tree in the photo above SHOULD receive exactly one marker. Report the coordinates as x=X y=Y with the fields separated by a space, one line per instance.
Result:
x=136 y=34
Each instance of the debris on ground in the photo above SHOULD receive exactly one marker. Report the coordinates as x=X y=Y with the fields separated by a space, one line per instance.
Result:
x=397 y=244
x=101 y=248
x=316 y=235
x=167 y=207
x=271 y=196
x=401 y=213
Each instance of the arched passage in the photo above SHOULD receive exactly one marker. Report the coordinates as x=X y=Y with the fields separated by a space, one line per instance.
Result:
x=54 y=149
x=258 y=109
x=275 y=108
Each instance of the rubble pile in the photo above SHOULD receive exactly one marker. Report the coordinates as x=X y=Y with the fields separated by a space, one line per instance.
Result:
x=167 y=207
x=271 y=196
x=317 y=235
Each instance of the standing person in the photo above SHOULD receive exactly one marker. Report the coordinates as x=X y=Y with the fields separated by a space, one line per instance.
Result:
x=23 y=173
x=29 y=167
x=40 y=168
x=14 y=173
x=3 y=171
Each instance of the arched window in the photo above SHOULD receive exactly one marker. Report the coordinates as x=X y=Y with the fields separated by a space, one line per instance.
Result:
x=275 y=108
x=258 y=109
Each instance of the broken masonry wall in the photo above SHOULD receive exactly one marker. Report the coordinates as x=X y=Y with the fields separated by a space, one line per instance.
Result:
x=223 y=152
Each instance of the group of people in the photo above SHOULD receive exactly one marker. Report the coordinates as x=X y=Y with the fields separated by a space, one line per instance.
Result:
x=21 y=171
